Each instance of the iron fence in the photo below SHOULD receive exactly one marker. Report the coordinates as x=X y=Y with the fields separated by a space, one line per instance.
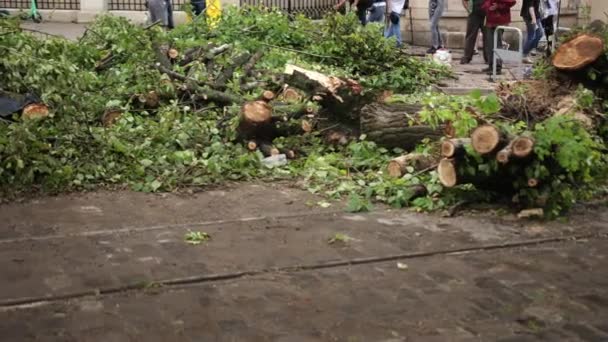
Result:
x=314 y=9
x=139 y=5
x=42 y=4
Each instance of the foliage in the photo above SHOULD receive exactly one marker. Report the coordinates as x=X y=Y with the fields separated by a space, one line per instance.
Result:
x=339 y=238
x=196 y=238
x=461 y=112
x=570 y=164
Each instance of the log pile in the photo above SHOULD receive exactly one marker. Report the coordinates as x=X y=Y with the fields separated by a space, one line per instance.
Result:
x=509 y=154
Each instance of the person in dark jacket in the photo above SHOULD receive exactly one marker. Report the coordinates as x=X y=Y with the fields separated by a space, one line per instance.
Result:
x=198 y=6
x=498 y=13
x=360 y=5
x=475 y=22
x=530 y=12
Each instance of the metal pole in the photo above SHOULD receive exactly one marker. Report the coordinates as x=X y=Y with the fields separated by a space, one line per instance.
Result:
x=556 y=27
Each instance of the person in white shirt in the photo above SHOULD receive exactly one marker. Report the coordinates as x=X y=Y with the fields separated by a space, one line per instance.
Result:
x=394 y=30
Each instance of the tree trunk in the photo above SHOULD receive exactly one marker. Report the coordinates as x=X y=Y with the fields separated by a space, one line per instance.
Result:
x=388 y=125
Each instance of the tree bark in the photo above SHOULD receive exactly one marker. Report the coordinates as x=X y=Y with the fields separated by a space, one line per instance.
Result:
x=388 y=125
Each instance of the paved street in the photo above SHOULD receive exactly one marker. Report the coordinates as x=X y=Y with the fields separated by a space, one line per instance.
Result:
x=115 y=267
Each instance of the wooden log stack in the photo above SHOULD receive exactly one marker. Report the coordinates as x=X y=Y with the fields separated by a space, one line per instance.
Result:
x=490 y=143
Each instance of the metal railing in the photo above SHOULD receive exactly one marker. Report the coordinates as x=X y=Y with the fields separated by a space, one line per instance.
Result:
x=314 y=9
x=507 y=55
x=42 y=4
x=139 y=5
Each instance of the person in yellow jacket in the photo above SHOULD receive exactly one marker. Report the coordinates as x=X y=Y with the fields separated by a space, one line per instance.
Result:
x=212 y=9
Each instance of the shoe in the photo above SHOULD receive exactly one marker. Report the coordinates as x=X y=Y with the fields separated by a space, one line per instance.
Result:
x=498 y=71
x=475 y=53
x=465 y=60
x=431 y=50
x=488 y=70
x=527 y=60
x=533 y=52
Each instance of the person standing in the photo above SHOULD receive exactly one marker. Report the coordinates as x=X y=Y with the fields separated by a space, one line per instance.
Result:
x=394 y=30
x=498 y=13
x=361 y=7
x=475 y=22
x=549 y=13
x=530 y=12
x=198 y=6
x=376 y=12
x=435 y=12
x=160 y=10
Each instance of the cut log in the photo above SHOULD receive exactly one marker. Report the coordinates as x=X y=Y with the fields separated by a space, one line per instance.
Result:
x=291 y=95
x=336 y=137
x=290 y=154
x=523 y=146
x=35 y=111
x=172 y=54
x=306 y=126
x=578 y=52
x=388 y=125
x=110 y=117
x=532 y=182
x=504 y=155
x=314 y=82
x=252 y=145
x=152 y=99
x=487 y=139
x=397 y=167
x=268 y=150
x=256 y=120
x=448 y=175
x=267 y=95
x=293 y=127
x=454 y=148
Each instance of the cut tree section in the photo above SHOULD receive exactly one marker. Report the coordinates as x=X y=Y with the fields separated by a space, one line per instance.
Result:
x=454 y=147
x=397 y=167
x=523 y=147
x=578 y=52
x=35 y=111
x=447 y=172
x=486 y=139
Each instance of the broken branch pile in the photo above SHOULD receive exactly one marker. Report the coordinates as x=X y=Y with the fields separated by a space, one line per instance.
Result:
x=155 y=109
